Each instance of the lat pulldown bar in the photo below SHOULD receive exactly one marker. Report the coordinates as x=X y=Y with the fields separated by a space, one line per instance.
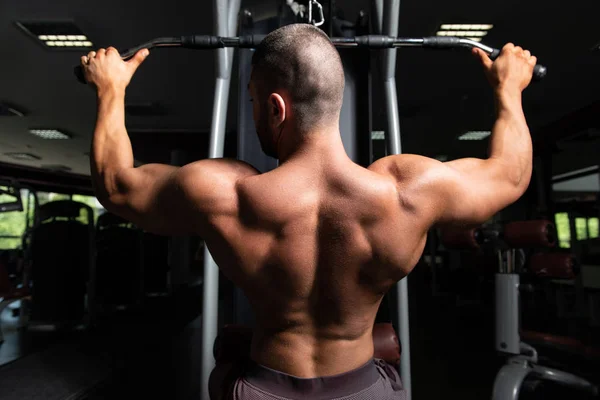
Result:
x=207 y=42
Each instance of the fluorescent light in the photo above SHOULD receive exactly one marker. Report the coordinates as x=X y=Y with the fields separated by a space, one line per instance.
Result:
x=475 y=135
x=23 y=156
x=68 y=43
x=462 y=33
x=56 y=34
x=466 y=27
x=378 y=135
x=49 y=134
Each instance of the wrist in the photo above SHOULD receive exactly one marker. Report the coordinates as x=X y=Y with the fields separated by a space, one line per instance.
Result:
x=507 y=93
x=110 y=91
x=508 y=99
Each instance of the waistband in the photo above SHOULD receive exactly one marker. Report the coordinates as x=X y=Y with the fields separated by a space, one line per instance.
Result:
x=282 y=384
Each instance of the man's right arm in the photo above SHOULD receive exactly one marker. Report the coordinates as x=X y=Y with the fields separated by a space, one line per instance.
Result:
x=473 y=190
x=470 y=190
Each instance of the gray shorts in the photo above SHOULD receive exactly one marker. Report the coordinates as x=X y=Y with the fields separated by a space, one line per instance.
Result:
x=376 y=380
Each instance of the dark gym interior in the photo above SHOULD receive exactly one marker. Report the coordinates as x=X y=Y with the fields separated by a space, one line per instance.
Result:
x=94 y=307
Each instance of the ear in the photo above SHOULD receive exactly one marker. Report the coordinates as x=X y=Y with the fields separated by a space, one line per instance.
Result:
x=277 y=109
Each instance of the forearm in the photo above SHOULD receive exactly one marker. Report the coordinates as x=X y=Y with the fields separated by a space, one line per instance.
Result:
x=510 y=143
x=111 y=151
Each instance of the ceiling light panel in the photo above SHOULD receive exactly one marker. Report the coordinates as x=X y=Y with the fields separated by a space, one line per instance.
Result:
x=470 y=31
x=57 y=35
x=377 y=135
x=466 y=27
x=475 y=135
x=50 y=134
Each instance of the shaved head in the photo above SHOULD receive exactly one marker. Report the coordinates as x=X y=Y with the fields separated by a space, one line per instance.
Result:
x=300 y=61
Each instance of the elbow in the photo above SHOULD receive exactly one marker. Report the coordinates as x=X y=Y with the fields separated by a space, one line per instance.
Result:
x=111 y=190
x=519 y=180
x=515 y=175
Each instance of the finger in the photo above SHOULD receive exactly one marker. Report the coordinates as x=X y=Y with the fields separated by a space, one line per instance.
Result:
x=91 y=55
x=508 y=47
x=112 y=50
x=527 y=53
x=138 y=59
x=483 y=57
x=518 y=50
x=84 y=60
x=532 y=60
x=101 y=53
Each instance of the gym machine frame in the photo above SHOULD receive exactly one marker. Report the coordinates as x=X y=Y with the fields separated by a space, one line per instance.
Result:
x=523 y=362
x=504 y=240
x=226 y=12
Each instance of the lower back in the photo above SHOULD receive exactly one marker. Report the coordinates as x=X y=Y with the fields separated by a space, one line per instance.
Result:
x=309 y=355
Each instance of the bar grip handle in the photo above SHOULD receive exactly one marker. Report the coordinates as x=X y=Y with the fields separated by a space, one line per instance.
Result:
x=443 y=42
x=202 y=42
x=250 y=41
x=539 y=71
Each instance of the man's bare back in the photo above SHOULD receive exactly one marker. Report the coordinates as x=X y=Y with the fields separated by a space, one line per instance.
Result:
x=317 y=242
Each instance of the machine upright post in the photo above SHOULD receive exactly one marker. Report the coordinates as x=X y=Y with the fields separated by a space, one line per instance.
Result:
x=391 y=14
x=225 y=25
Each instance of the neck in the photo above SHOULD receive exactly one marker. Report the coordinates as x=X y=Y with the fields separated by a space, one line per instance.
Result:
x=312 y=145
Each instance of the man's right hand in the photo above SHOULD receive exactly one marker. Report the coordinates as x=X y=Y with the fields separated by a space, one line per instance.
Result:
x=512 y=70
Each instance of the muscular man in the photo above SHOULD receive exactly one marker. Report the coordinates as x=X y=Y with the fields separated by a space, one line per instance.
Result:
x=317 y=242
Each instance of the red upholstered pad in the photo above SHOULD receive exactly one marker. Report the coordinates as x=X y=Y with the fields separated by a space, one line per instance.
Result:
x=387 y=345
x=539 y=233
x=553 y=265
x=564 y=342
x=234 y=342
x=459 y=239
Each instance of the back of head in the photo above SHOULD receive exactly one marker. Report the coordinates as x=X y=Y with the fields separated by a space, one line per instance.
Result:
x=301 y=60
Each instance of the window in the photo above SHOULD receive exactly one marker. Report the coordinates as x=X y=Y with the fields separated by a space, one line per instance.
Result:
x=586 y=228
x=563 y=230
x=13 y=224
x=93 y=203
x=593 y=226
x=46 y=197
x=581 y=228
